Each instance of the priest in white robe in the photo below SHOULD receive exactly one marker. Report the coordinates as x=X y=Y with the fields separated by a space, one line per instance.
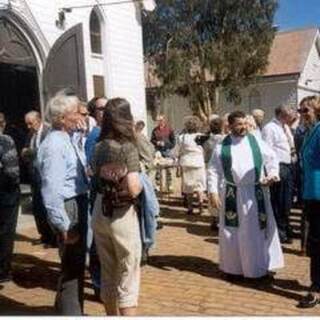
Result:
x=239 y=173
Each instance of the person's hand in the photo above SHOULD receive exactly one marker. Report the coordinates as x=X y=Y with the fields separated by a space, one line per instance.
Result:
x=268 y=181
x=69 y=237
x=81 y=125
x=26 y=154
x=214 y=200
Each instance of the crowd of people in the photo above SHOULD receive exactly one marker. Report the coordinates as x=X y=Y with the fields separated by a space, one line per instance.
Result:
x=94 y=173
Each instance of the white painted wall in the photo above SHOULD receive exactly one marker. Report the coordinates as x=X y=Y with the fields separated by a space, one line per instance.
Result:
x=122 y=61
x=311 y=70
x=272 y=95
x=176 y=108
x=309 y=82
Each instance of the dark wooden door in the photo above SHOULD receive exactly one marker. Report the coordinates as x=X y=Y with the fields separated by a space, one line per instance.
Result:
x=65 y=65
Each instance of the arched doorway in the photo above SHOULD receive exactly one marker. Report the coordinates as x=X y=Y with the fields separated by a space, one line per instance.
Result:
x=29 y=76
x=19 y=83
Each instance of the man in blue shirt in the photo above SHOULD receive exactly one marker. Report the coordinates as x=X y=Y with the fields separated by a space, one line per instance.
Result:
x=64 y=187
x=96 y=107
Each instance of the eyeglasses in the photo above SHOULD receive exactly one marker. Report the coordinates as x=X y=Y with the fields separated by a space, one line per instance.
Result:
x=84 y=114
x=99 y=109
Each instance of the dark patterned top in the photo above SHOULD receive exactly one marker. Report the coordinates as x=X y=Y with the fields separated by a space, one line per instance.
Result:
x=9 y=164
x=109 y=151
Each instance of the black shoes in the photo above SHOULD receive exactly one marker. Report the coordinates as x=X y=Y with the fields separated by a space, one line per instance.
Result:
x=144 y=257
x=233 y=277
x=37 y=242
x=190 y=212
x=5 y=278
x=214 y=226
x=97 y=294
x=286 y=240
x=309 y=301
x=159 y=225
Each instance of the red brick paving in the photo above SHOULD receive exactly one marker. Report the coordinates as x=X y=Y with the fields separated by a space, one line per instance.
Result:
x=182 y=278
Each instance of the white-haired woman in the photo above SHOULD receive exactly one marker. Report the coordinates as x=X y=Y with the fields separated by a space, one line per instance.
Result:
x=251 y=124
x=191 y=160
x=64 y=188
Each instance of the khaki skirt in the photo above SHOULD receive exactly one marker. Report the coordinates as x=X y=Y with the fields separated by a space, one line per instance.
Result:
x=193 y=179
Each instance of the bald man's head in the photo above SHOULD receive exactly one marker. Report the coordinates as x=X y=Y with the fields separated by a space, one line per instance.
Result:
x=33 y=121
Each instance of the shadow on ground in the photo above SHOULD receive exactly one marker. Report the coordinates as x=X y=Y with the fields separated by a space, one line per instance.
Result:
x=195 y=229
x=289 y=250
x=32 y=272
x=282 y=287
x=10 y=307
x=24 y=238
x=181 y=213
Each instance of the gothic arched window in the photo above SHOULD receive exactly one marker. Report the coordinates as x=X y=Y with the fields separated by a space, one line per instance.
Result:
x=95 y=33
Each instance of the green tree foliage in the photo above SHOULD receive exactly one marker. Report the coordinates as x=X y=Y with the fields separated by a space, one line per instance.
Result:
x=198 y=47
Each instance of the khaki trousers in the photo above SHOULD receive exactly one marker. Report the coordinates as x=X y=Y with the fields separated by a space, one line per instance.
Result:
x=119 y=248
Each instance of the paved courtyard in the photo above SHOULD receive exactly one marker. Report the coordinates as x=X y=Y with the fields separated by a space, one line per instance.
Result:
x=181 y=279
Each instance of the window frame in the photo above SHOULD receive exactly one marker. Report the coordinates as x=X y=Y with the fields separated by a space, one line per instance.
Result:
x=95 y=35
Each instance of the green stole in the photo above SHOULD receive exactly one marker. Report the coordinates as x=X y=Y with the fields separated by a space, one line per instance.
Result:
x=231 y=212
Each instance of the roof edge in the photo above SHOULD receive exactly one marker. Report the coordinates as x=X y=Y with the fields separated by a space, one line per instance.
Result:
x=308 y=56
x=298 y=29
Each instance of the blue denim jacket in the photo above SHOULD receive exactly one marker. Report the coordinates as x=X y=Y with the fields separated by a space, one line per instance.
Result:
x=91 y=142
x=149 y=210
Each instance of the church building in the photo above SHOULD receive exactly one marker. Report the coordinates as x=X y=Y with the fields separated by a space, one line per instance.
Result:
x=91 y=46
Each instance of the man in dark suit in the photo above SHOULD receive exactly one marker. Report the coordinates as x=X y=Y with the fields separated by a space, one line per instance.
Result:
x=9 y=203
x=38 y=131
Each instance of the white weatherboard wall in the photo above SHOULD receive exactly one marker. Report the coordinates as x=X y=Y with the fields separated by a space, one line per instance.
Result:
x=272 y=95
x=309 y=82
x=122 y=61
x=176 y=108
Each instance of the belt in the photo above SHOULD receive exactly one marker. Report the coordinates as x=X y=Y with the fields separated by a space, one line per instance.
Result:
x=75 y=197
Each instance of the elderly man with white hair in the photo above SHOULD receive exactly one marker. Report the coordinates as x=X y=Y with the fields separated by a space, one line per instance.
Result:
x=258 y=115
x=64 y=187
x=38 y=131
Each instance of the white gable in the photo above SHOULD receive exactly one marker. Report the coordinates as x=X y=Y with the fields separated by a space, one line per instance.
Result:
x=121 y=63
x=309 y=82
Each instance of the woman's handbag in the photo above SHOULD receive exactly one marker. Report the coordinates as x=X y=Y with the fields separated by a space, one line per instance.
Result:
x=115 y=188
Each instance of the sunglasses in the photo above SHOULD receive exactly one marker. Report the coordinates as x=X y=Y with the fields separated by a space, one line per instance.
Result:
x=304 y=110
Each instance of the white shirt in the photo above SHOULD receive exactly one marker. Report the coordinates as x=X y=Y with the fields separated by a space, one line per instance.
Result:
x=35 y=140
x=242 y=164
x=39 y=133
x=189 y=153
x=257 y=133
x=279 y=138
